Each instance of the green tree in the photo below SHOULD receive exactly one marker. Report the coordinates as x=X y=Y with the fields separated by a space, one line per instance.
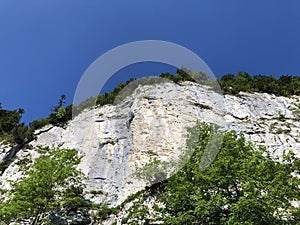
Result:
x=38 y=124
x=243 y=185
x=284 y=86
x=60 y=114
x=61 y=103
x=266 y=84
x=153 y=172
x=244 y=82
x=11 y=130
x=9 y=119
x=54 y=182
x=22 y=134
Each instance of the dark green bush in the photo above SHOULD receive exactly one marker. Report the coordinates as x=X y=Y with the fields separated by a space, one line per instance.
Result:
x=283 y=86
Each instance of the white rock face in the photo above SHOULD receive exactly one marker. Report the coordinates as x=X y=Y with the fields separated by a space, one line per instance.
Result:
x=153 y=122
x=4 y=148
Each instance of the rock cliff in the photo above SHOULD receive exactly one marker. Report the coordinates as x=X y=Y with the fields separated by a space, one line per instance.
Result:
x=153 y=121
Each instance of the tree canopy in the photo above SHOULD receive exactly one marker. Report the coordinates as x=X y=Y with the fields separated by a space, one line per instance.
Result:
x=243 y=185
x=285 y=85
x=59 y=115
x=14 y=131
x=52 y=183
x=11 y=129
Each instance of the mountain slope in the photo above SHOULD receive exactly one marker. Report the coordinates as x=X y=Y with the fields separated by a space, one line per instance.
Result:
x=153 y=122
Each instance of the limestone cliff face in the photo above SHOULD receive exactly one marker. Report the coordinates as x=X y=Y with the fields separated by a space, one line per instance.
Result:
x=153 y=121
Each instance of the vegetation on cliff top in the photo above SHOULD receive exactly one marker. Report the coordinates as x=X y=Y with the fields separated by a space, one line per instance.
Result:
x=242 y=186
x=12 y=130
x=285 y=85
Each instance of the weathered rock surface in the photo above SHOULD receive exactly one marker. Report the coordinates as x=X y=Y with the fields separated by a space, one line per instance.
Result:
x=152 y=122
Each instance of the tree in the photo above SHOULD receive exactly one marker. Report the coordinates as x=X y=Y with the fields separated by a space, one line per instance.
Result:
x=61 y=103
x=266 y=84
x=52 y=183
x=11 y=130
x=9 y=119
x=153 y=172
x=284 y=86
x=60 y=114
x=243 y=185
x=244 y=82
x=22 y=134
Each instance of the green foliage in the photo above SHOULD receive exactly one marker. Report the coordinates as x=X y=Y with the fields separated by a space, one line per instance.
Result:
x=242 y=186
x=131 y=87
x=61 y=103
x=181 y=75
x=154 y=171
x=53 y=182
x=230 y=84
x=109 y=98
x=9 y=120
x=296 y=111
x=22 y=134
x=86 y=104
x=284 y=86
x=266 y=84
x=15 y=132
x=11 y=130
x=184 y=74
x=38 y=124
x=60 y=114
x=279 y=130
x=104 y=212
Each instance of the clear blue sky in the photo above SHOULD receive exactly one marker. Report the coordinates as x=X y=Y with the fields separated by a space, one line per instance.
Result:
x=45 y=46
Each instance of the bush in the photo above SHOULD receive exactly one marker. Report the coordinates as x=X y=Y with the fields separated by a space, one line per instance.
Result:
x=284 y=86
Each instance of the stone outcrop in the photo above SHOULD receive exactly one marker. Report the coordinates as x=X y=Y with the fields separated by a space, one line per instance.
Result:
x=153 y=122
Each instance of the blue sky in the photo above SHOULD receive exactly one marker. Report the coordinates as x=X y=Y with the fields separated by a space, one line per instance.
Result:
x=45 y=46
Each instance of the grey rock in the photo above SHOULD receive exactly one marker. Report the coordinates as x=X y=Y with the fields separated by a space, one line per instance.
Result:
x=114 y=139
